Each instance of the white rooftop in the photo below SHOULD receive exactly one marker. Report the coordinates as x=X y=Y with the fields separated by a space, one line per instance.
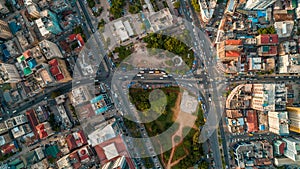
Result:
x=101 y=135
x=110 y=151
x=121 y=31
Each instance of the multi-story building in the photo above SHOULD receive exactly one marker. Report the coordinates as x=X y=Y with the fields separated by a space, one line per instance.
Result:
x=50 y=50
x=5 y=32
x=32 y=8
x=278 y=122
x=3 y=8
x=258 y=4
x=269 y=97
x=9 y=73
x=292 y=149
x=294 y=117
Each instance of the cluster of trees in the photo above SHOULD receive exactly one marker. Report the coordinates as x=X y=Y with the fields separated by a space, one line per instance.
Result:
x=191 y=144
x=99 y=11
x=54 y=125
x=196 y=5
x=91 y=3
x=6 y=156
x=117 y=8
x=135 y=6
x=79 y=30
x=177 y=4
x=269 y=30
x=172 y=45
x=139 y=98
x=131 y=126
x=101 y=23
x=194 y=148
x=153 y=2
x=123 y=52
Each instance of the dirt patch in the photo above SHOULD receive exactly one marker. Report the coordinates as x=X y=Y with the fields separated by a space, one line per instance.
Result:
x=185 y=120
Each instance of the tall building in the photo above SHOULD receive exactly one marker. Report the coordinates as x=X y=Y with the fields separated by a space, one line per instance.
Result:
x=269 y=97
x=5 y=32
x=3 y=8
x=278 y=122
x=33 y=10
x=50 y=50
x=258 y=4
x=119 y=163
x=294 y=117
x=292 y=149
x=9 y=73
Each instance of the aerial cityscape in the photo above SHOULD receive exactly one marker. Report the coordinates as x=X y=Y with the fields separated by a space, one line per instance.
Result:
x=150 y=84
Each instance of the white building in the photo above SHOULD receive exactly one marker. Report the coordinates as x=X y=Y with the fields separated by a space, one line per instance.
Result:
x=292 y=150
x=50 y=50
x=284 y=28
x=9 y=73
x=278 y=122
x=258 y=4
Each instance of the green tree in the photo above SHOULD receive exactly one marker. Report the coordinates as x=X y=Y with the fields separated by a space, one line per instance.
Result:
x=55 y=94
x=196 y=5
x=177 y=4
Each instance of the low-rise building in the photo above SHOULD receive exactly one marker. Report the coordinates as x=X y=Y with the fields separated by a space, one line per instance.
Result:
x=76 y=140
x=44 y=130
x=79 y=95
x=16 y=121
x=252 y=154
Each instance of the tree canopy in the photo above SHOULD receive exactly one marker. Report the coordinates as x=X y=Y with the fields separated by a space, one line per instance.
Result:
x=269 y=30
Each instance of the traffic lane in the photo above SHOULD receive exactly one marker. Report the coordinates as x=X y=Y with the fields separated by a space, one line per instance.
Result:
x=216 y=150
x=126 y=103
x=87 y=16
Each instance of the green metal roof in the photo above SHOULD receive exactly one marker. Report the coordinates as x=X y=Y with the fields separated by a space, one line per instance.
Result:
x=27 y=71
x=52 y=151
x=265 y=48
x=20 y=59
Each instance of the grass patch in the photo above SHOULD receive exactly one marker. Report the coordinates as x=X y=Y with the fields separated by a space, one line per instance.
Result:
x=5 y=86
x=171 y=44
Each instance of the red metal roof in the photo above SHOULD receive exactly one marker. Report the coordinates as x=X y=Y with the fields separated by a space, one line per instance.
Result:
x=53 y=62
x=82 y=137
x=71 y=142
x=41 y=131
x=72 y=37
x=268 y=38
x=8 y=148
x=233 y=42
x=80 y=39
x=252 y=122
x=33 y=121
x=232 y=54
x=54 y=70
x=59 y=77
x=75 y=160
